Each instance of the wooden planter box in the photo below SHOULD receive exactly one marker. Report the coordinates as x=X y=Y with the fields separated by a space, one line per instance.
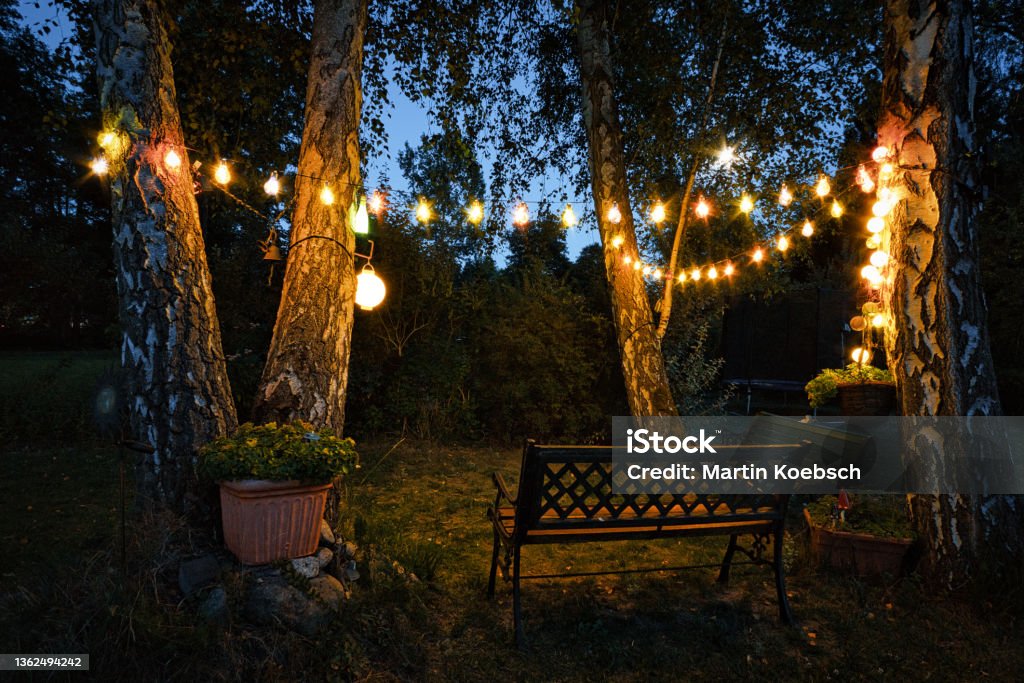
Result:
x=865 y=554
x=867 y=398
x=266 y=521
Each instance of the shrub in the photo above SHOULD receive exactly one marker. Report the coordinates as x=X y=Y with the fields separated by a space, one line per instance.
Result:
x=278 y=453
x=825 y=386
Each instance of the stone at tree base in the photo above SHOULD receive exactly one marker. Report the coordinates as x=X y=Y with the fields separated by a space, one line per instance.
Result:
x=328 y=589
x=198 y=573
x=347 y=550
x=276 y=602
x=308 y=566
x=214 y=608
x=326 y=533
x=324 y=557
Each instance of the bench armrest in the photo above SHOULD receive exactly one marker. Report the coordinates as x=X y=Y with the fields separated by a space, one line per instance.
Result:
x=503 y=491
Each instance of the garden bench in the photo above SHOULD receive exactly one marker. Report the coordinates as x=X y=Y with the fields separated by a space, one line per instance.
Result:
x=565 y=496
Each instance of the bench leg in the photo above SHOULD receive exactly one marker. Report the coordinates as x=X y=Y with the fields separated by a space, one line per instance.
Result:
x=517 y=616
x=785 y=613
x=723 y=573
x=494 y=565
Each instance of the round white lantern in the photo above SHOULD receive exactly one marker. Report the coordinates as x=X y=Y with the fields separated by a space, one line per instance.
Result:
x=370 y=289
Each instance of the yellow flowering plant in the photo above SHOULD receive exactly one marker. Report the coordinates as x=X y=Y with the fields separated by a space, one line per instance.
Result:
x=295 y=451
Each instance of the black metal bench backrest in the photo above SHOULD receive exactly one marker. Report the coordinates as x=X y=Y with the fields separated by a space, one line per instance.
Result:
x=571 y=487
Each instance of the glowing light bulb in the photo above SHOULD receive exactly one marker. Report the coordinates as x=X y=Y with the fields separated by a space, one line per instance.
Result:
x=758 y=255
x=475 y=213
x=521 y=215
x=783 y=244
x=729 y=269
x=569 y=217
x=361 y=221
x=99 y=166
x=867 y=185
x=861 y=355
x=785 y=196
x=614 y=215
x=107 y=139
x=746 y=204
x=617 y=241
x=873 y=242
x=657 y=274
x=637 y=265
x=327 y=195
x=703 y=208
x=627 y=259
x=222 y=174
x=885 y=171
x=648 y=270
x=658 y=213
x=878 y=320
x=870 y=273
x=879 y=259
x=682 y=277
x=880 y=208
x=377 y=203
x=876 y=225
x=172 y=160
x=370 y=289
x=726 y=156
x=822 y=189
x=837 y=209
x=272 y=186
x=880 y=154
x=808 y=228
x=712 y=273
x=423 y=211
x=695 y=274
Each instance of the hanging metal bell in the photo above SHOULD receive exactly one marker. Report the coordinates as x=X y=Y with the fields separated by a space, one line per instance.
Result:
x=273 y=253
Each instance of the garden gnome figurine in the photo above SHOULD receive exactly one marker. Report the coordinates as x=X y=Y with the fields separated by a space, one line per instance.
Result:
x=843 y=503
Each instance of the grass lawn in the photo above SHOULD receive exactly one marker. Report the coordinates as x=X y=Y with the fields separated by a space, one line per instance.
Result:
x=422 y=507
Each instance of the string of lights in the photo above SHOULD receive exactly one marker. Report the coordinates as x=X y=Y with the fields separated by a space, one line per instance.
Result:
x=378 y=202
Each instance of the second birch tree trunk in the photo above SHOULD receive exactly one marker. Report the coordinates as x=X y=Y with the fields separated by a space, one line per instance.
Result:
x=306 y=372
x=643 y=366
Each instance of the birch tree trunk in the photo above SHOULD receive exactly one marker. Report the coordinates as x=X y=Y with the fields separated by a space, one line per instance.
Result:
x=643 y=366
x=937 y=339
x=177 y=384
x=306 y=373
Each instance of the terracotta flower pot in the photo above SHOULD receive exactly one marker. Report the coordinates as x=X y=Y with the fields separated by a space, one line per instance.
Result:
x=867 y=398
x=266 y=521
x=865 y=554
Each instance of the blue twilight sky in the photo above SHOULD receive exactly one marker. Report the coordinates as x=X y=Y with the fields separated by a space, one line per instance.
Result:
x=408 y=121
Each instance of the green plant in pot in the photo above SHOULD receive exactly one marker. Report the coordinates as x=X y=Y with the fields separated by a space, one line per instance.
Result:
x=862 y=389
x=868 y=534
x=273 y=486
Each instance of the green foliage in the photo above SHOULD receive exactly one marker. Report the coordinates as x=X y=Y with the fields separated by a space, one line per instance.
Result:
x=824 y=387
x=278 y=453
x=461 y=348
x=883 y=516
x=56 y=279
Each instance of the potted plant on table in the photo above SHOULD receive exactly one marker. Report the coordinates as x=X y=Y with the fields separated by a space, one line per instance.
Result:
x=862 y=389
x=867 y=534
x=273 y=485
